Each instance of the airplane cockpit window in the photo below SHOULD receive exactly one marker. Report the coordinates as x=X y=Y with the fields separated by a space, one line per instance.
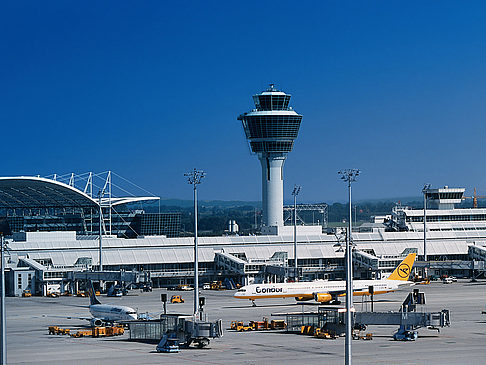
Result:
x=241 y=290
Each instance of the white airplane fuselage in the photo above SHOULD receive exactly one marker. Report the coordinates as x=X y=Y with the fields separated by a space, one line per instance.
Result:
x=311 y=290
x=112 y=313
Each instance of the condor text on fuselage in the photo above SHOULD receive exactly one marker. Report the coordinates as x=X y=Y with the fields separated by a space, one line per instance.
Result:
x=259 y=289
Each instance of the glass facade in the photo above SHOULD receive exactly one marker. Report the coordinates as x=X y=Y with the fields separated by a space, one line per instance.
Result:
x=124 y=224
x=443 y=196
x=167 y=224
x=271 y=146
x=271 y=102
x=448 y=218
x=272 y=126
x=271 y=132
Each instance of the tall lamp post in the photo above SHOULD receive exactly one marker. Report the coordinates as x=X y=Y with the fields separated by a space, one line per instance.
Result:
x=295 y=192
x=194 y=178
x=349 y=176
x=3 y=355
x=100 y=248
x=424 y=191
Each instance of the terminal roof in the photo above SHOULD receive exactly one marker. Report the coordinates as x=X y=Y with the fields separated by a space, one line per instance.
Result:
x=37 y=192
x=30 y=192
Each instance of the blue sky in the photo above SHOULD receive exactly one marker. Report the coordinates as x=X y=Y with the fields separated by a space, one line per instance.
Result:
x=153 y=89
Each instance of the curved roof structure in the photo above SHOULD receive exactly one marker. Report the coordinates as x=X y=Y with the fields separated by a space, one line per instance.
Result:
x=105 y=202
x=37 y=192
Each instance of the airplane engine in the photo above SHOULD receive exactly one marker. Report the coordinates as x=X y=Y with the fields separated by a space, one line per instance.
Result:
x=96 y=322
x=302 y=299
x=322 y=297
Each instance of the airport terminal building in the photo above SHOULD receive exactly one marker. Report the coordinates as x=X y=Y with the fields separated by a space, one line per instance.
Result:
x=64 y=243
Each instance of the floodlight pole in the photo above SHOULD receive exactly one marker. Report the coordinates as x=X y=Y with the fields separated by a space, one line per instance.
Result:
x=3 y=357
x=295 y=192
x=424 y=191
x=194 y=178
x=349 y=176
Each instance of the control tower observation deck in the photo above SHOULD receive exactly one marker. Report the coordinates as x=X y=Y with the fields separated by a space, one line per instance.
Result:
x=271 y=129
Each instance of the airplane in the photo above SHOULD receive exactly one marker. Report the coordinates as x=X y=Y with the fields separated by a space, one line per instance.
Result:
x=324 y=291
x=103 y=313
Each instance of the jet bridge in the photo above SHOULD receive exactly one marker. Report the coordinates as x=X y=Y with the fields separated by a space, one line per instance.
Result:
x=407 y=318
x=411 y=319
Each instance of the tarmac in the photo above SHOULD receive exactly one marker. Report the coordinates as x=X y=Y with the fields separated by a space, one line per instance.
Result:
x=28 y=340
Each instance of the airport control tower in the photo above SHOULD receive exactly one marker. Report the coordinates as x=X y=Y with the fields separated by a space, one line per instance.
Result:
x=271 y=129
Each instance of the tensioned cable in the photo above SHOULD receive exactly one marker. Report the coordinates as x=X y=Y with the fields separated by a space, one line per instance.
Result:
x=124 y=221
x=64 y=178
x=128 y=181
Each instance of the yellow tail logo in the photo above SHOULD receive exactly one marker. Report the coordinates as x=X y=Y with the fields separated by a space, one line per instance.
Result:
x=402 y=271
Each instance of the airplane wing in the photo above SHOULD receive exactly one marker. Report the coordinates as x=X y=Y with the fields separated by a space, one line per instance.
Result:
x=149 y=315
x=341 y=293
x=69 y=317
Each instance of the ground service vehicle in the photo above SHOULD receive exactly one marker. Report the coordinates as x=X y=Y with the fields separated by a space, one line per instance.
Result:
x=217 y=285
x=147 y=288
x=176 y=299
x=26 y=293
x=184 y=287
x=240 y=326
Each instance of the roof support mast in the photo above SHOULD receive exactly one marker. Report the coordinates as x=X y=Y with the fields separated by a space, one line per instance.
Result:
x=88 y=189
x=106 y=188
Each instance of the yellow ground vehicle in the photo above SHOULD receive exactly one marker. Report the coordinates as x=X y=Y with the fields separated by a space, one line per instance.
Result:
x=240 y=326
x=26 y=293
x=217 y=285
x=420 y=280
x=319 y=333
x=91 y=332
x=55 y=330
x=176 y=299
x=184 y=287
x=260 y=325
x=278 y=324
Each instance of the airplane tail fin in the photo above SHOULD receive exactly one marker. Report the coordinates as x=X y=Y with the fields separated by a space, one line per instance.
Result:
x=92 y=295
x=402 y=271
